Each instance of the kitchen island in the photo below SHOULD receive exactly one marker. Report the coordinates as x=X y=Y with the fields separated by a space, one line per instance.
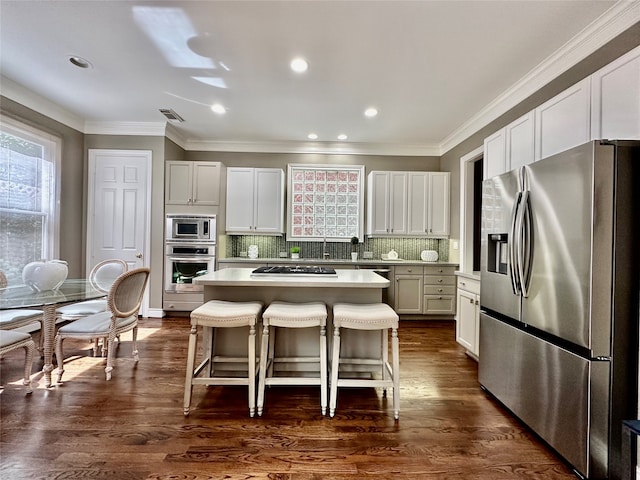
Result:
x=351 y=286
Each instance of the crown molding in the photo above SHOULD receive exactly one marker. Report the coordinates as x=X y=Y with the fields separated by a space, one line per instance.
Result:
x=152 y=129
x=30 y=99
x=329 y=148
x=622 y=16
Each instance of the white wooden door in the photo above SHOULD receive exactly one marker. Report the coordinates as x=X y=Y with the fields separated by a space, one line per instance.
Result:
x=118 y=216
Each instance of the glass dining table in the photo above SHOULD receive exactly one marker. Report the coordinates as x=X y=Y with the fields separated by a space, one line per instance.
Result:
x=22 y=296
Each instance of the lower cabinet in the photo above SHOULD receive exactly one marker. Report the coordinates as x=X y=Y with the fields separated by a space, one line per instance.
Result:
x=408 y=285
x=468 y=318
x=439 y=290
x=428 y=290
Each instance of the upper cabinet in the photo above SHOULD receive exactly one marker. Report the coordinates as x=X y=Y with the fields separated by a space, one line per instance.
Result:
x=387 y=203
x=605 y=105
x=255 y=200
x=615 y=99
x=564 y=121
x=192 y=183
x=408 y=203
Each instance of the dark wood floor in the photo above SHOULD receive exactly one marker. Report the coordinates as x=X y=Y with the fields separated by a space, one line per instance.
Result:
x=133 y=428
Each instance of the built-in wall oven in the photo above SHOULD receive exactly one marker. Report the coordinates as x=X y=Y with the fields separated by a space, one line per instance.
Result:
x=190 y=251
x=186 y=261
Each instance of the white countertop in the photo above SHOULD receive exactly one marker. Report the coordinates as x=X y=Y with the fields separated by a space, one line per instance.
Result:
x=241 y=277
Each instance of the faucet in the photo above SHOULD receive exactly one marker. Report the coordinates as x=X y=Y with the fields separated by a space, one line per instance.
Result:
x=325 y=254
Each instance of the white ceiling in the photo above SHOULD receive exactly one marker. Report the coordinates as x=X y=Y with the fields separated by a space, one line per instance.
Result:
x=436 y=70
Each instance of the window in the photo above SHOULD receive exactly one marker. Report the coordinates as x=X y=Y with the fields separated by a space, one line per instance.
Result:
x=325 y=202
x=28 y=197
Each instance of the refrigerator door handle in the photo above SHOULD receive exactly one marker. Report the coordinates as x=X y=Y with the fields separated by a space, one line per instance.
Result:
x=526 y=245
x=512 y=246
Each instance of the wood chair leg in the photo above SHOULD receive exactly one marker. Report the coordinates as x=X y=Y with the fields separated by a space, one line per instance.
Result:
x=395 y=353
x=335 y=365
x=59 y=357
x=264 y=350
x=136 y=357
x=191 y=360
x=323 y=369
x=251 y=358
x=28 y=364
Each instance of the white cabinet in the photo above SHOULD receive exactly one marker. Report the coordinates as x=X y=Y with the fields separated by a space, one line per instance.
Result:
x=438 y=204
x=408 y=288
x=564 y=121
x=615 y=99
x=408 y=203
x=468 y=317
x=192 y=183
x=387 y=203
x=510 y=147
x=255 y=200
x=519 y=142
x=494 y=162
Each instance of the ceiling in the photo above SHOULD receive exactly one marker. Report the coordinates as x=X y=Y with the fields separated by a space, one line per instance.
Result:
x=435 y=70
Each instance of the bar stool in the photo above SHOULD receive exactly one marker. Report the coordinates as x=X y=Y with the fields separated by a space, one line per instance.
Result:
x=292 y=315
x=216 y=314
x=375 y=316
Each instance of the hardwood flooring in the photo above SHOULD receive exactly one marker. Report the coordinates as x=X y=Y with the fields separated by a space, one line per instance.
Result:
x=133 y=427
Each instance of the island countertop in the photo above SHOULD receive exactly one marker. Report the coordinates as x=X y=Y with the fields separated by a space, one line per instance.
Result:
x=241 y=277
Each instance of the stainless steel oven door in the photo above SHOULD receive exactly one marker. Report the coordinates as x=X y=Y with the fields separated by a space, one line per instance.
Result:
x=180 y=270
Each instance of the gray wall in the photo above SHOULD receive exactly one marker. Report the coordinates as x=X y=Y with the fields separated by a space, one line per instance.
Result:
x=275 y=160
x=72 y=177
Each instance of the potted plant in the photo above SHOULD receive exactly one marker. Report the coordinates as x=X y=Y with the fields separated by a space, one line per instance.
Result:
x=295 y=252
x=354 y=248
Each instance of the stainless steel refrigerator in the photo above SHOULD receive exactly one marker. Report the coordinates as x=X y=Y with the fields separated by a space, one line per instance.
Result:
x=559 y=299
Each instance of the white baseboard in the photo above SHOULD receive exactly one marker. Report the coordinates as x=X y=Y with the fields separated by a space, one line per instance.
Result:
x=155 y=313
x=638 y=471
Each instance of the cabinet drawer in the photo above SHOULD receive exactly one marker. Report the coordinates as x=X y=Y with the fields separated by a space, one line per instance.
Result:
x=439 y=290
x=469 y=285
x=438 y=270
x=408 y=270
x=440 y=304
x=439 y=280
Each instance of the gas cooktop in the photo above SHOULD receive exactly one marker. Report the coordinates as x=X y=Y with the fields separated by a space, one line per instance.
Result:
x=310 y=270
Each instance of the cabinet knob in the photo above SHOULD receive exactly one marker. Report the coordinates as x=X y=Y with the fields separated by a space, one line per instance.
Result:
x=462 y=283
x=471 y=301
x=439 y=280
x=440 y=290
x=477 y=302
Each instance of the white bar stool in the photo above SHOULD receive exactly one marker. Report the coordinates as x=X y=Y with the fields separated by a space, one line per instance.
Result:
x=222 y=314
x=375 y=316
x=292 y=315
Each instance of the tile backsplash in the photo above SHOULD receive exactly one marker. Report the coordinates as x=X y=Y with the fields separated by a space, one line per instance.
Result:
x=270 y=247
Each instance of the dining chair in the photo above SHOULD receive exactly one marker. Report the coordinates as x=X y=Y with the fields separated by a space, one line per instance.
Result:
x=18 y=317
x=12 y=340
x=101 y=277
x=123 y=302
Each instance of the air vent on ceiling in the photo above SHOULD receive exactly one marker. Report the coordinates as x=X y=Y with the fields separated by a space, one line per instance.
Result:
x=171 y=115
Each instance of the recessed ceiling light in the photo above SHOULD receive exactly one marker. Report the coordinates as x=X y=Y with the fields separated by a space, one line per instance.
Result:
x=299 y=65
x=342 y=136
x=219 y=109
x=80 y=62
x=312 y=136
x=371 y=112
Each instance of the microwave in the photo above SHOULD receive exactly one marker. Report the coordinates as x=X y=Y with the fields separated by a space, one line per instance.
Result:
x=197 y=228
